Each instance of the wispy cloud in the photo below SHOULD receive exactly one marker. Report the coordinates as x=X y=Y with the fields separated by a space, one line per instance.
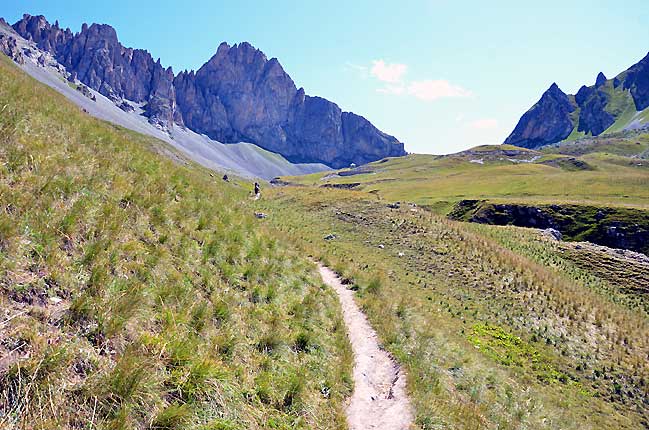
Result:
x=388 y=72
x=484 y=124
x=436 y=89
x=396 y=90
x=362 y=71
x=395 y=83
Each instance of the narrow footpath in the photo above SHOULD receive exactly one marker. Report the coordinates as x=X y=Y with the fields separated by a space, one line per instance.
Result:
x=379 y=400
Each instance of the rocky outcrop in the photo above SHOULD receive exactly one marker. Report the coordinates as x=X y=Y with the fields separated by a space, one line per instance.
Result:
x=373 y=143
x=238 y=95
x=549 y=120
x=593 y=117
x=9 y=47
x=103 y=64
x=47 y=37
x=613 y=227
x=599 y=107
x=636 y=79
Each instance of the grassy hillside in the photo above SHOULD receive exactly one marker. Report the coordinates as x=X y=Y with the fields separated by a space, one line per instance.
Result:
x=139 y=292
x=552 y=176
x=498 y=327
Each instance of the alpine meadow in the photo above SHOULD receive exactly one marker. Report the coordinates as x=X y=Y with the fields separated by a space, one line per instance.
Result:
x=221 y=249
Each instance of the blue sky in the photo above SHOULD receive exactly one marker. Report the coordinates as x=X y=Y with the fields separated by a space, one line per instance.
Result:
x=439 y=75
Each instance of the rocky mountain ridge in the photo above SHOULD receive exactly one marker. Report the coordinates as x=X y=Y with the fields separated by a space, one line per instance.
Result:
x=610 y=105
x=238 y=95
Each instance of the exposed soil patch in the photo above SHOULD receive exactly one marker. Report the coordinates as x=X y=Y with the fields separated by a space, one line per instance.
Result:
x=348 y=186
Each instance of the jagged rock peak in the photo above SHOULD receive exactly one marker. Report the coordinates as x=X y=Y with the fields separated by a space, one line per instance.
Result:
x=238 y=95
x=548 y=120
x=595 y=113
x=555 y=92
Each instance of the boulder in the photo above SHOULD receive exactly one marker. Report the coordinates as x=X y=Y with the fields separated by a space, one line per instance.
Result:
x=552 y=234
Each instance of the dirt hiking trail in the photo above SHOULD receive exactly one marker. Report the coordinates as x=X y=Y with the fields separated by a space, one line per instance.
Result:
x=379 y=400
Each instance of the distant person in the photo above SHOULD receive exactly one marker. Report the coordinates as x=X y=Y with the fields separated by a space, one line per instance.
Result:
x=225 y=178
x=257 y=190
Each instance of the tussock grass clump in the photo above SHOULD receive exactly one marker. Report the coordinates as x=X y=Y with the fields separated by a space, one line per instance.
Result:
x=136 y=292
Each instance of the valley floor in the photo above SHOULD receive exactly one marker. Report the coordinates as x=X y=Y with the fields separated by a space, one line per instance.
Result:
x=496 y=327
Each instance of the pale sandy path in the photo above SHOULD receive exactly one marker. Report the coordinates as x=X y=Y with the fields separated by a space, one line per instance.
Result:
x=379 y=400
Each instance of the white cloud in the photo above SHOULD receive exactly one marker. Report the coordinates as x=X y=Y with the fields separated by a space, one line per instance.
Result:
x=388 y=72
x=484 y=124
x=436 y=89
x=393 y=75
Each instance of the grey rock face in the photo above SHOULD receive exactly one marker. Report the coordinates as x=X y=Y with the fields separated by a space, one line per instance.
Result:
x=593 y=118
x=102 y=63
x=637 y=81
x=541 y=126
x=549 y=120
x=10 y=48
x=374 y=143
x=238 y=95
x=47 y=37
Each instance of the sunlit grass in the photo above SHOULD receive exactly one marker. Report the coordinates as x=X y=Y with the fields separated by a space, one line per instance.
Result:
x=496 y=329
x=140 y=292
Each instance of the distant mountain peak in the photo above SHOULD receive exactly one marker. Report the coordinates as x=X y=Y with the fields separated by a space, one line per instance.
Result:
x=532 y=130
x=553 y=118
x=238 y=95
x=555 y=92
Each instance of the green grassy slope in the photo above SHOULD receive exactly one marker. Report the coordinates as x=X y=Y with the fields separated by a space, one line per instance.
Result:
x=620 y=105
x=497 y=327
x=140 y=292
x=552 y=176
x=626 y=144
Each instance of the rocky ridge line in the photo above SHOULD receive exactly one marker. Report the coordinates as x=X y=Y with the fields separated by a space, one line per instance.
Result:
x=238 y=95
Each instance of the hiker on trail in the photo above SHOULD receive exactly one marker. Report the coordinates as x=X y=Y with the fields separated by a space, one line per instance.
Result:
x=257 y=190
x=225 y=178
